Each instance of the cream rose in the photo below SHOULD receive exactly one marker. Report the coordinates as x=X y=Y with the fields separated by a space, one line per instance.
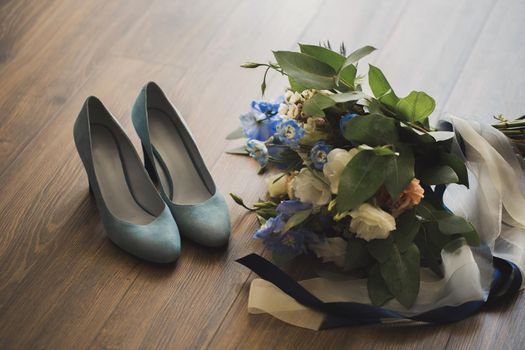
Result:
x=277 y=184
x=310 y=189
x=331 y=249
x=370 y=222
x=337 y=160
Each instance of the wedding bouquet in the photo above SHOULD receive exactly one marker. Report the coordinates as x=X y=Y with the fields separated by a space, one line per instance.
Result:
x=357 y=178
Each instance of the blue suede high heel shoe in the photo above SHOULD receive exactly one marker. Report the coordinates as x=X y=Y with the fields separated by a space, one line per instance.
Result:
x=173 y=160
x=133 y=214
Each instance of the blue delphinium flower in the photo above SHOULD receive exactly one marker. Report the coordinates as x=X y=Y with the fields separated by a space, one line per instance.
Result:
x=291 y=242
x=259 y=126
x=289 y=207
x=271 y=227
x=268 y=108
x=319 y=154
x=258 y=151
x=345 y=119
x=289 y=133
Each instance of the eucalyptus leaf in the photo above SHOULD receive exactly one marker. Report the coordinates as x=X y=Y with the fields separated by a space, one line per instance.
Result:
x=407 y=227
x=236 y=134
x=356 y=254
x=238 y=150
x=437 y=175
x=371 y=129
x=295 y=86
x=357 y=55
x=306 y=70
x=315 y=105
x=401 y=275
x=381 y=88
x=348 y=96
x=430 y=253
x=455 y=244
x=454 y=224
x=400 y=171
x=381 y=249
x=416 y=107
x=360 y=180
x=377 y=290
x=334 y=59
x=347 y=76
x=458 y=165
x=296 y=219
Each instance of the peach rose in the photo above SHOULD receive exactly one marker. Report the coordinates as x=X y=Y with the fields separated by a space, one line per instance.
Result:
x=410 y=197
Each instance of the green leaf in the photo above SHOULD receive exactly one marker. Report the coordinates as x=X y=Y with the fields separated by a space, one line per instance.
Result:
x=438 y=175
x=372 y=130
x=401 y=275
x=407 y=227
x=381 y=88
x=347 y=76
x=400 y=171
x=454 y=224
x=381 y=249
x=458 y=165
x=238 y=150
x=323 y=54
x=444 y=223
x=455 y=244
x=315 y=105
x=296 y=219
x=360 y=180
x=377 y=290
x=309 y=72
x=236 y=134
x=430 y=253
x=358 y=54
x=416 y=107
x=295 y=86
x=356 y=254
x=348 y=96
x=348 y=70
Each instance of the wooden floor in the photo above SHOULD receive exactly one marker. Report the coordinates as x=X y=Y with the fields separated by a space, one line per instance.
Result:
x=64 y=285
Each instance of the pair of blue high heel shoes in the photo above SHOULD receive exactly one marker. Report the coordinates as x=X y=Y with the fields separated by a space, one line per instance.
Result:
x=138 y=218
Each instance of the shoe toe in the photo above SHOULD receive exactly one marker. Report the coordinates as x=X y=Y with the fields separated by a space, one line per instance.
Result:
x=207 y=223
x=158 y=241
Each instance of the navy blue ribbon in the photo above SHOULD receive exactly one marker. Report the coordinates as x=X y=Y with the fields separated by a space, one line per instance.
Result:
x=506 y=282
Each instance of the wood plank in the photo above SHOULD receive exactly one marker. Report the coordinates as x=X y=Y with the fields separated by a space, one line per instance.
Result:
x=61 y=276
x=65 y=285
x=49 y=49
x=207 y=284
x=34 y=271
x=457 y=39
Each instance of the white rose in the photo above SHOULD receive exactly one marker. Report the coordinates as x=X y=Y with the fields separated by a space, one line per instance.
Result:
x=370 y=222
x=276 y=184
x=310 y=189
x=332 y=249
x=336 y=161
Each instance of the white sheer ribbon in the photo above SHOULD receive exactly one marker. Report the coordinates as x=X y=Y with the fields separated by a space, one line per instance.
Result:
x=494 y=204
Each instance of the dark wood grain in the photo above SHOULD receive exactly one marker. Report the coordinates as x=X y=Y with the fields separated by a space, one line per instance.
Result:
x=64 y=285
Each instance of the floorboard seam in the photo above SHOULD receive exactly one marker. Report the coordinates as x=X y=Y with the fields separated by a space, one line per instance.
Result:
x=97 y=333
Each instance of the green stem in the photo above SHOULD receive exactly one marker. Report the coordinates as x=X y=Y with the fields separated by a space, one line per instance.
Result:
x=512 y=124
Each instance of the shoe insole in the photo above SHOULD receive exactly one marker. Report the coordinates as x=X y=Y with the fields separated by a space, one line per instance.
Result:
x=111 y=179
x=186 y=182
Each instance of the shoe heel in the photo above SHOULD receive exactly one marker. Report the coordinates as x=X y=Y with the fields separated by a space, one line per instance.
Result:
x=148 y=164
